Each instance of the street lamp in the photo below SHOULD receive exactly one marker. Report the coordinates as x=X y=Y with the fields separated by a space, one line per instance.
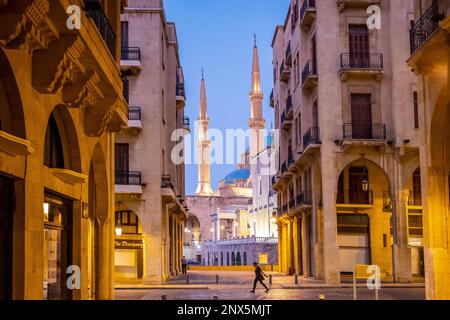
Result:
x=118 y=231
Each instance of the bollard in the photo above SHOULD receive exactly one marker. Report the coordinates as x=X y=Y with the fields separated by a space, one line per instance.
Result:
x=163 y=297
x=217 y=279
x=321 y=296
x=187 y=280
x=215 y=298
x=295 y=279
x=270 y=279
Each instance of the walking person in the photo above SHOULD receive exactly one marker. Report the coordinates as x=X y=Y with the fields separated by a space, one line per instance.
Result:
x=259 y=277
x=184 y=265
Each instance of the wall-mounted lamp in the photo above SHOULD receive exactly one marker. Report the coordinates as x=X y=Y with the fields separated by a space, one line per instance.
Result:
x=118 y=231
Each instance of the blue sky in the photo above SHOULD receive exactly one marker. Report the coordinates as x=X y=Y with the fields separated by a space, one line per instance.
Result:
x=218 y=35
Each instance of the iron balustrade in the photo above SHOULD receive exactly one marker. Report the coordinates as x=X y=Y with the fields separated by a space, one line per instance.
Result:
x=128 y=178
x=311 y=137
x=364 y=131
x=362 y=60
x=307 y=4
x=289 y=54
x=130 y=53
x=360 y=197
x=425 y=27
x=167 y=182
x=310 y=69
x=134 y=113
x=289 y=104
x=95 y=11
x=180 y=90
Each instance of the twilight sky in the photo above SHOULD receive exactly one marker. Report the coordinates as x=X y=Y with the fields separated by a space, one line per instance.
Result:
x=218 y=35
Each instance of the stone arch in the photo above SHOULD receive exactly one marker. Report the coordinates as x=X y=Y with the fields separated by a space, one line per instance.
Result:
x=233 y=259
x=98 y=181
x=228 y=258
x=12 y=118
x=68 y=135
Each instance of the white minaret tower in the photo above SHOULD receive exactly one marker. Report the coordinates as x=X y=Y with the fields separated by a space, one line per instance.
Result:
x=204 y=148
x=256 y=123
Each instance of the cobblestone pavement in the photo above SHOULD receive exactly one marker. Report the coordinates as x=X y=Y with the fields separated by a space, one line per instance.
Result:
x=236 y=286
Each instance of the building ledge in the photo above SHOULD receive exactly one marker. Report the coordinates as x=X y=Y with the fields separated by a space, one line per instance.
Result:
x=134 y=66
x=128 y=189
x=181 y=101
x=346 y=207
x=134 y=124
x=360 y=72
x=69 y=176
x=13 y=145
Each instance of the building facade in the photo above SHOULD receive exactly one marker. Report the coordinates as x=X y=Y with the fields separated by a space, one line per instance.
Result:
x=150 y=209
x=60 y=103
x=346 y=106
x=430 y=55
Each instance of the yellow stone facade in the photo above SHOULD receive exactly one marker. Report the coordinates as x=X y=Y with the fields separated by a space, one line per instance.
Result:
x=60 y=104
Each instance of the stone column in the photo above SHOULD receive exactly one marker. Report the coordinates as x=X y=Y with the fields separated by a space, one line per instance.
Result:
x=402 y=252
x=103 y=265
x=218 y=227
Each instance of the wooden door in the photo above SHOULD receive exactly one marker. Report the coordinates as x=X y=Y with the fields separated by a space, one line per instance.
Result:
x=361 y=116
x=359 y=46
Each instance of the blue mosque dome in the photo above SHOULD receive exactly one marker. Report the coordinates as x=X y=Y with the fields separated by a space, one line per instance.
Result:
x=237 y=175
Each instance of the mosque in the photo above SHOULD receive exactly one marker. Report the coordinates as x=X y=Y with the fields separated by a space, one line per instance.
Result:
x=233 y=226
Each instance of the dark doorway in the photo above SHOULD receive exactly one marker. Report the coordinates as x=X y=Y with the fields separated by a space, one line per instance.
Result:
x=359 y=46
x=6 y=230
x=356 y=193
x=361 y=116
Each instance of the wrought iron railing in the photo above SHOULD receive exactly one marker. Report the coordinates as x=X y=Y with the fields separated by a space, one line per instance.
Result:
x=130 y=53
x=134 y=113
x=289 y=54
x=425 y=26
x=128 y=178
x=362 y=60
x=95 y=11
x=307 y=4
x=364 y=131
x=289 y=104
x=292 y=203
x=167 y=182
x=180 y=90
x=311 y=137
x=310 y=69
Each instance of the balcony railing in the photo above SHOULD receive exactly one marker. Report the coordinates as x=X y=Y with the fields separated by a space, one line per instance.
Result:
x=286 y=122
x=167 y=182
x=311 y=137
x=424 y=28
x=180 y=90
x=130 y=53
x=355 y=197
x=310 y=70
x=128 y=178
x=285 y=72
x=415 y=199
x=134 y=113
x=284 y=208
x=272 y=100
x=95 y=12
x=371 y=61
x=304 y=198
x=289 y=107
x=362 y=131
x=292 y=203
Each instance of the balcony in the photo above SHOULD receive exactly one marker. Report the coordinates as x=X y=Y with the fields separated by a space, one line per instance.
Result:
x=180 y=95
x=291 y=161
x=130 y=59
x=134 y=118
x=363 y=133
x=285 y=72
x=304 y=200
x=355 y=199
x=95 y=12
x=284 y=209
x=128 y=182
x=291 y=204
x=307 y=13
x=286 y=123
x=361 y=64
x=311 y=138
x=415 y=199
x=272 y=100
x=309 y=75
x=187 y=124
x=343 y=4
x=289 y=108
x=289 y=55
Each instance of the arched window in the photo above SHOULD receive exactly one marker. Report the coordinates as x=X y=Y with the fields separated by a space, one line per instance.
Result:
x=53 y=152
x=245 y=259
x=238 y=259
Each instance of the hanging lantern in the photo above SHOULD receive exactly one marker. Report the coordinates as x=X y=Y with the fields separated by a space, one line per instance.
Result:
x=118 y=231
x=365 y=183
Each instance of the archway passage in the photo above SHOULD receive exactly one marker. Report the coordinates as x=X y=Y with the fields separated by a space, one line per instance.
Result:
x=233 y=259
x=192 y=249
x=238 y=259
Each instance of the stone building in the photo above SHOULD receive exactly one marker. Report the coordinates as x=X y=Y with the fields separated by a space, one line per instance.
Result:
x=345 y=103
x=430 y=55
x=150 y=209
x=60 y=102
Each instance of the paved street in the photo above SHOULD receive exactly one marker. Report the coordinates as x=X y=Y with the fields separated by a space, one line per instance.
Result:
x=236 y=286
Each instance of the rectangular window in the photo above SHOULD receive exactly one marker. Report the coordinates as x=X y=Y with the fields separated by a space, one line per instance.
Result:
x=124 y=34
x=359 y=46
x=122 y=157
x=416 y=109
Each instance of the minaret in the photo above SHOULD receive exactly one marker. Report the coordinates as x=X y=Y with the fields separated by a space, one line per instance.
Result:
x=256 y=123
x=204 y=147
